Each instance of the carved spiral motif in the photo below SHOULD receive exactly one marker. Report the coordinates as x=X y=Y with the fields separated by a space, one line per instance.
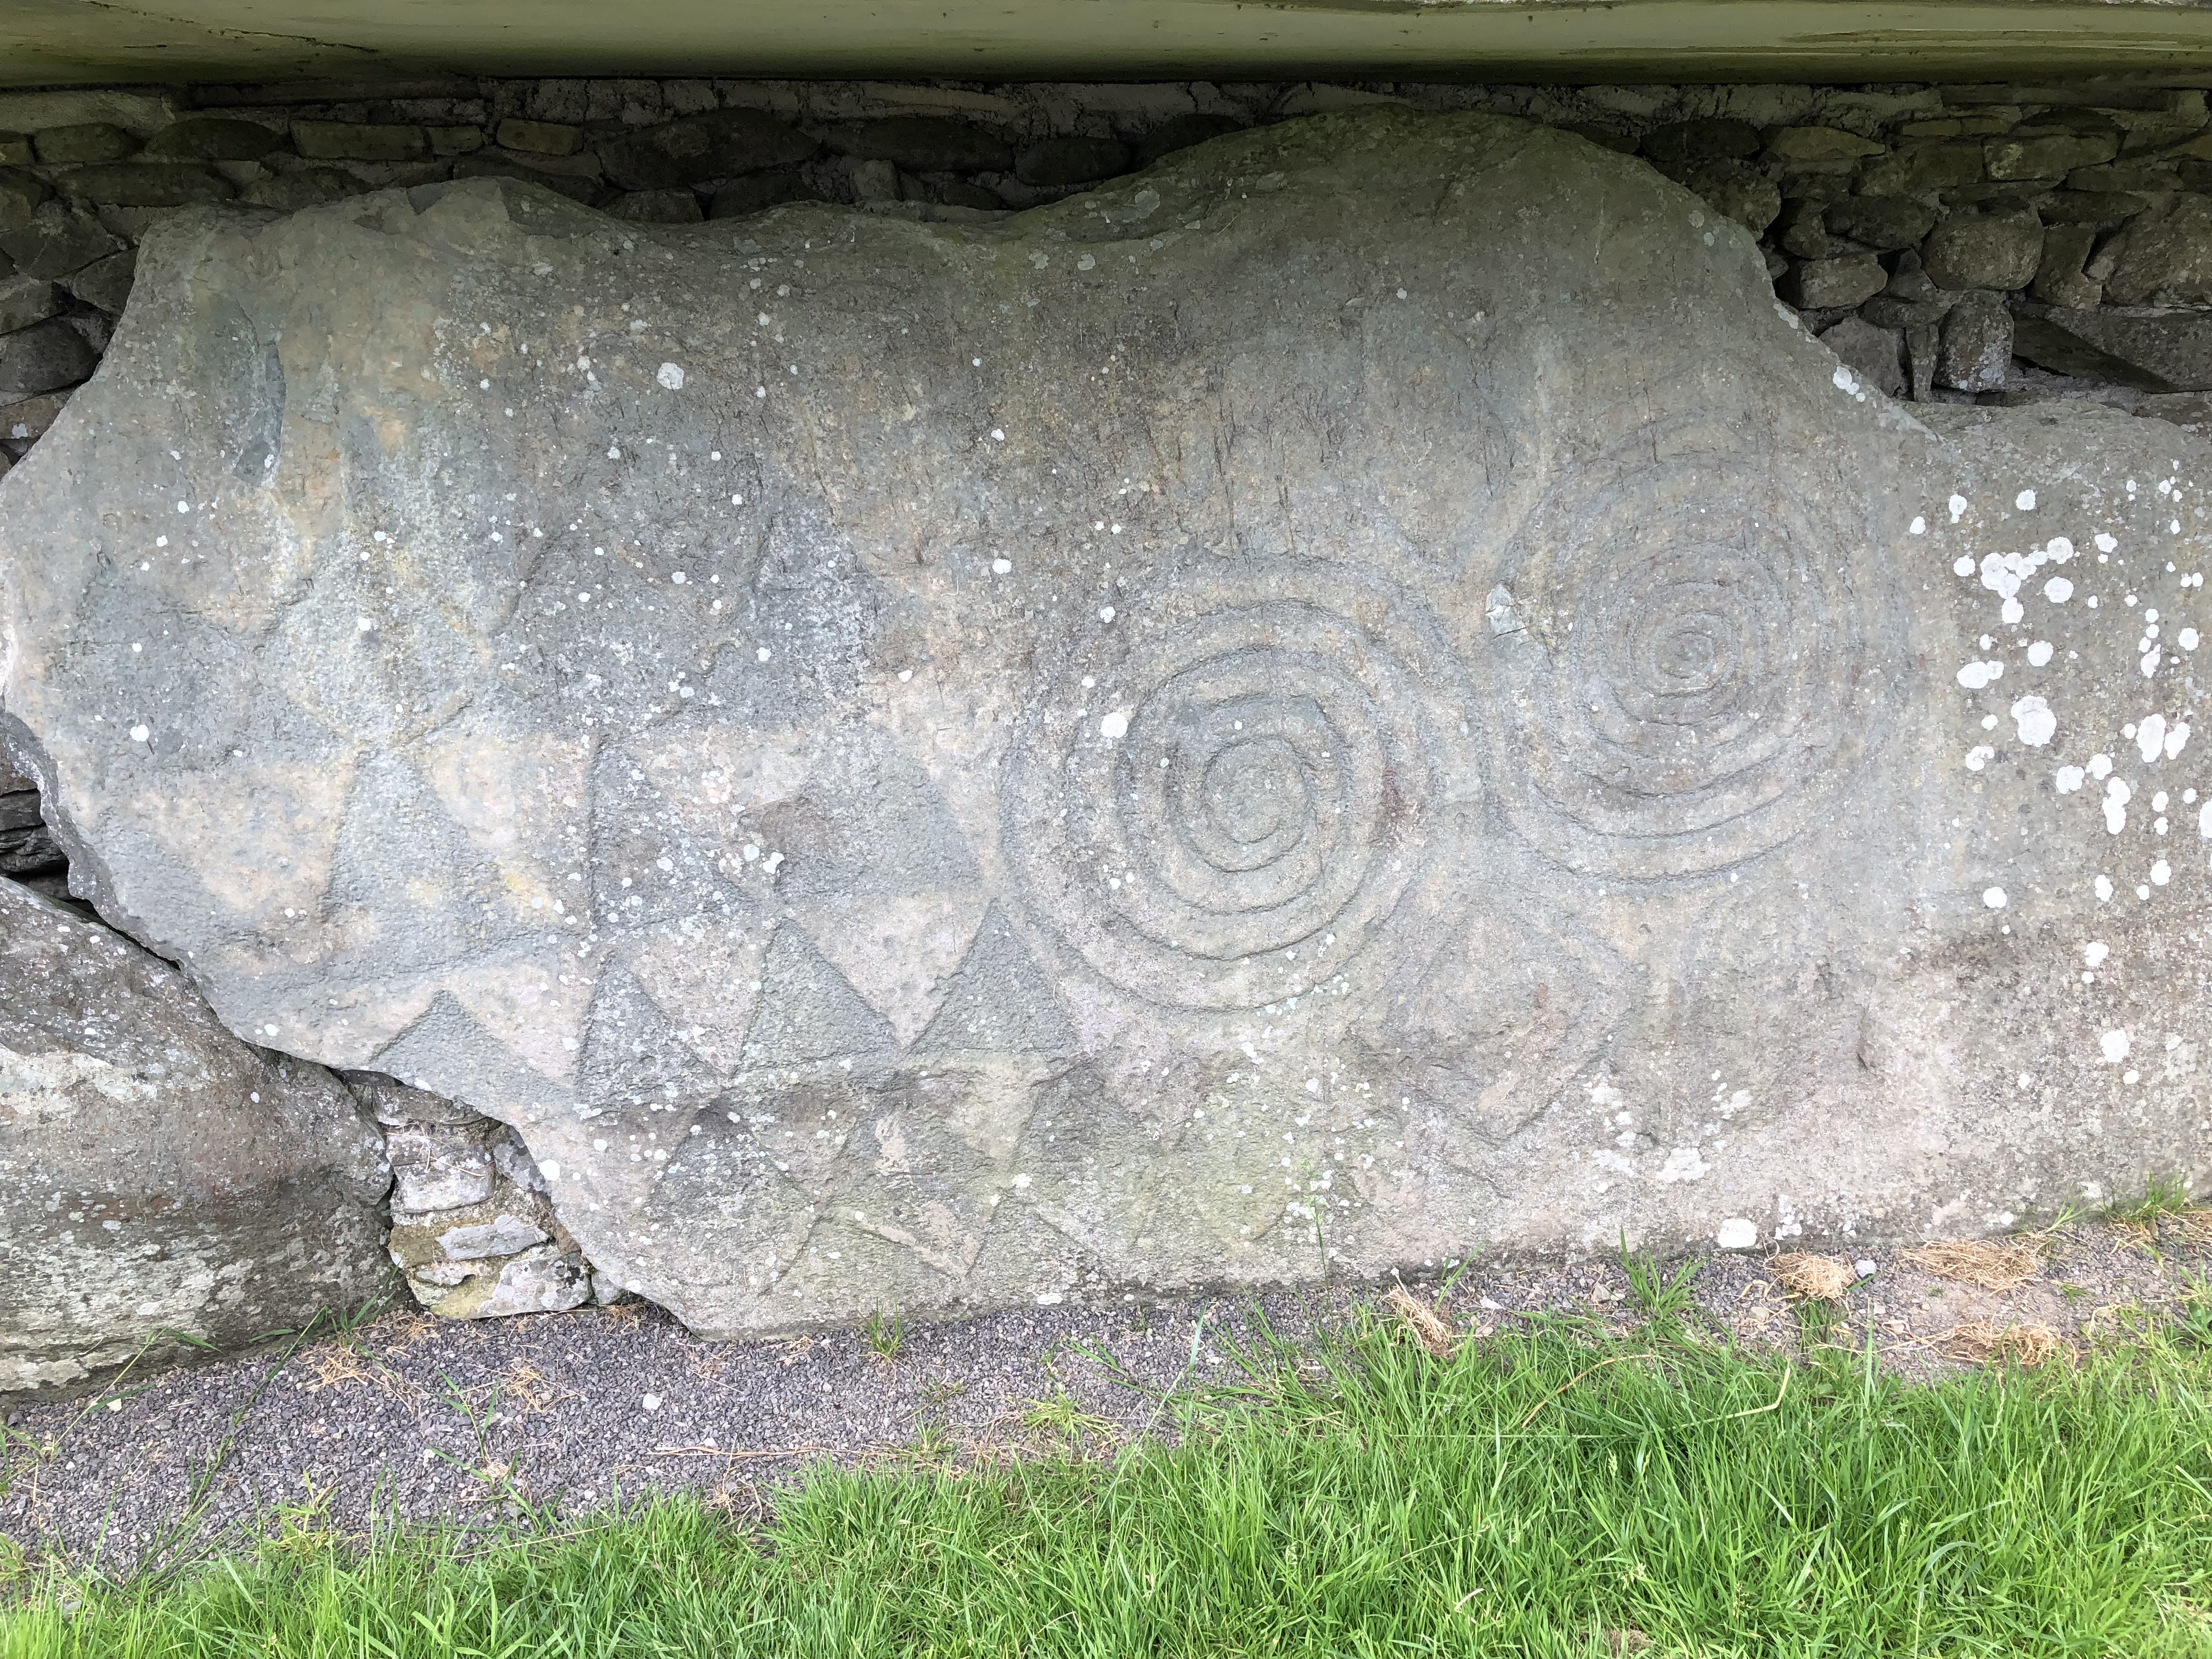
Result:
x=1219 y=802
x=1695 y=655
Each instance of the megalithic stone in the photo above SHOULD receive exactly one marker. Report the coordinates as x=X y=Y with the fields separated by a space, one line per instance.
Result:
x=1359 y=695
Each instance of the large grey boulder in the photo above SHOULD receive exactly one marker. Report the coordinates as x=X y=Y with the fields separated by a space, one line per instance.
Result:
x=1360 y=695
x=162 y=1185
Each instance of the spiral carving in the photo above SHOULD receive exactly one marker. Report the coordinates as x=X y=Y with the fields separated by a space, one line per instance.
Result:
x=1218 y=804
x=1694 y=654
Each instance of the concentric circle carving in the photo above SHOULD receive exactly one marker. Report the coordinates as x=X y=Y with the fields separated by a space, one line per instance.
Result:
x=1222 y=798
x=1693 y=655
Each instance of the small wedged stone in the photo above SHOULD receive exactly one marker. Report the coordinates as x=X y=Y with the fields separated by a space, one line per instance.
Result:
x=16 y=150
x=435 y=1167
x=715 y=145
x=45 y=356
x=214 y=138
x=1997 y=248
x=1977 y=339
x=161 y=1183
x=145 y=184
x=544 y=1280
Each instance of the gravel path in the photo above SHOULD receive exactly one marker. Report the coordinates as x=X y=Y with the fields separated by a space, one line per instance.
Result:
x=411 y=1419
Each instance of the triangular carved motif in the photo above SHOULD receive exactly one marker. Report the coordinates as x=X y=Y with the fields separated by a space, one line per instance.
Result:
x=808 y=1012
x=998 y=1000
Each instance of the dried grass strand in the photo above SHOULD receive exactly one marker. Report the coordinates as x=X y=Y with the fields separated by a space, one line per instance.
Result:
x=1980 y=1261
x=1980 y=1344
x=1811 y=1277
x=1429 y=1328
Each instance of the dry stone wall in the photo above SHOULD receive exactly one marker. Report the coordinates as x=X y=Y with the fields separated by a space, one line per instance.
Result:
x=1951 y=243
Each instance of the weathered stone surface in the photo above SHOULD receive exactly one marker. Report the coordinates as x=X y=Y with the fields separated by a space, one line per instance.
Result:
x=710 y=146
x=1019 y=755
x=540 y=138
x=25 y=301
x=2164 y=257
x=1977 y=337
x=473 y=1229
x=2047 y=155
x=301 y=187
x=146 y=183
x=1071 y=161
x=1918 y=169
x=1876 y=356
x=2102 y=209
x=1881 y=222
x=16 y=150
x=28 y=419
x=157 y=1175
x=1819 y=144
x=88 y=140
x=1736 y=189
x=53 y=241
x=1819 y=285
x=20 y=193
x=40 y=358
x=104 y=283
x=495 y=164
x=214 y=138
x=360 y=141
x=1999 y=248
x=2163 y=350
x=2060 y=279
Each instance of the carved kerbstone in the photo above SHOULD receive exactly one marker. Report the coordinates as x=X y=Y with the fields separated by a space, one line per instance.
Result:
x=1361 y=694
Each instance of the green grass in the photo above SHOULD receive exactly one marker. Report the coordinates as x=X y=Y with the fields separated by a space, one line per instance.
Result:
x=1532 y=1496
